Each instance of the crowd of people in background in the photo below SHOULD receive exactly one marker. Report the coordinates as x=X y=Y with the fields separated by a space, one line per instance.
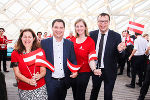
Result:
x=113 y=51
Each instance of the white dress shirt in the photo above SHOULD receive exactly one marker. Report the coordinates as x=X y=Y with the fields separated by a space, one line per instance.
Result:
x=104 y=44
x=58 y=59
x=140 y=44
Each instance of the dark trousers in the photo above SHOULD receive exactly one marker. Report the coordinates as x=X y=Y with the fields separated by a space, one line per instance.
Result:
x=137 y=68
x=3 y=92
x=3 y=57
x=146 y=83
x=108 y=86
x=56 y=89
x=79 y=85
x=123 y=60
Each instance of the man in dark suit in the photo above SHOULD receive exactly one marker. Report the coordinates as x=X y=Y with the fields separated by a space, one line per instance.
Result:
x=107 y=52
x=58 y=50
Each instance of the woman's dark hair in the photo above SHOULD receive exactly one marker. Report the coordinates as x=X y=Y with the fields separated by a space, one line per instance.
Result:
x=20 y=47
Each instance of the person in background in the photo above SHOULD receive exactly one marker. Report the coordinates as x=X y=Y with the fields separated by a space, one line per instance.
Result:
x=146 y=83
x=45 y=35
x=39 y=36
x=3 y=90
x=122 y=60
x=129 y=41
x=31 y=82
x=146 y=36
x=58 y=50
x=138 y=60
x=70 y=37
x=108 y=48
x=3 y=49
x=83 y=46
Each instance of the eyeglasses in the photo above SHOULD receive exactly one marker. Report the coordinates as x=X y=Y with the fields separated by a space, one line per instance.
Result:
x=103 y=21
x=1 y=31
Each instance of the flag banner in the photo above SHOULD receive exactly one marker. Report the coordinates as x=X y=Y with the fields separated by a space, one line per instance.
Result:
x=72 y=67
x=135 y=27
x=9 y=41
x=92 y=56
x=41 y=61
x=29 y=58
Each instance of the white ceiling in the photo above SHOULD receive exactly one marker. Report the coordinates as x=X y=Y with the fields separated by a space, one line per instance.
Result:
x=38 y=14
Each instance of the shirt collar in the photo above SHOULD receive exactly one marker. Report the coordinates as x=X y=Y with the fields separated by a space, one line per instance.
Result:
x=55 y=41
x=106 y=33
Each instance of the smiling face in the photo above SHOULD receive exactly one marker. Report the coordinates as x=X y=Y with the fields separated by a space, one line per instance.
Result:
x=80 y=28
x=103 y=23
x=27 y=39
x=58 y=30
x=1 y=32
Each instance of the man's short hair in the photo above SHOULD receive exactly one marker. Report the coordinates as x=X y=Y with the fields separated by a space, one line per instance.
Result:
x=137 y=33
x=104 y=14
x=58 y=20
x=2 y=29
x=39 y=33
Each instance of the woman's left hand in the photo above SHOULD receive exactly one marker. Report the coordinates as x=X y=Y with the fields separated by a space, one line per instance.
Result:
x=36 y=76
x=97 y=72
x=74 y=75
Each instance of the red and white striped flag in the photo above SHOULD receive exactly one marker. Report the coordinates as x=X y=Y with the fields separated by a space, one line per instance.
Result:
x=41 y=61
x=9 y=41
x=72 y=67
x=92 y=56
x=29 y=58
x=136 y=27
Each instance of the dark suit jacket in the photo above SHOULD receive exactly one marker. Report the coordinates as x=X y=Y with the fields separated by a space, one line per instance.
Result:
x=111 y=53
x=68 y=53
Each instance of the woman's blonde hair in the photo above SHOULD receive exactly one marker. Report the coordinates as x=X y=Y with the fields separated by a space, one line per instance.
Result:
x=86 y=28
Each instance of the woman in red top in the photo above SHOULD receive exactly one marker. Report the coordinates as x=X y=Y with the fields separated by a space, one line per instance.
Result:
x=31 y=82
x=3 y=49
x=83 y=46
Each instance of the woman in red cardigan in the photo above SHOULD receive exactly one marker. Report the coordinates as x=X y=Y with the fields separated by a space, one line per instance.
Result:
x=84 y=47
x=31 y=82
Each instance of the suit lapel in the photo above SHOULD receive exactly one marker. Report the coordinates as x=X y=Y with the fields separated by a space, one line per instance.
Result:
x=108 y=42
x=51 y=50
x=64 y=53
x=96 y=36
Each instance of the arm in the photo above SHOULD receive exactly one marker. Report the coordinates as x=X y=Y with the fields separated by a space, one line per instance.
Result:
x=132 y=54
x=22 y=77
x=93 y=68
x=147 y=51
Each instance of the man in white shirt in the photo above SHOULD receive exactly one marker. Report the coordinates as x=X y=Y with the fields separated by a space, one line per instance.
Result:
x=58 y=50
x=138 y=59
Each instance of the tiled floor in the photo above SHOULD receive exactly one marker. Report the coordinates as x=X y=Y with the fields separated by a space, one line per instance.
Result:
x=120 y=91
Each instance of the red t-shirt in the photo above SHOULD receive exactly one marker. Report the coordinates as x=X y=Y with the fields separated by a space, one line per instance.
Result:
x=82 y=52
x=3 y=41
x=16 y=57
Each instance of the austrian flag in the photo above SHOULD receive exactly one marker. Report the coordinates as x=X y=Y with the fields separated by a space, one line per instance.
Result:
x=41 y=61
x=136 y=27
x=72 y=67
x=92 y=56
x=29 y=58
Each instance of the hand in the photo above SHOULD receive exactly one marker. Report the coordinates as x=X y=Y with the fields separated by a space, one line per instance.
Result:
x=32 y=82
x=74 y=75
x=129 y=58
x=36 y=76
x=97 y=72
x=148 y=48
x=121 y=46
